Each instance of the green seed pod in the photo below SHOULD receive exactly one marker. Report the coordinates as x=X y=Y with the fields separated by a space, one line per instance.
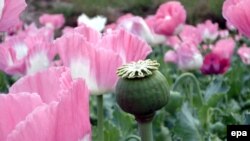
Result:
x=175 y=103
x=142 y=89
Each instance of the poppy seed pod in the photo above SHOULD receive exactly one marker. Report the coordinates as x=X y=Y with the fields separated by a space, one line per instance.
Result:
x=175 y=103
x=141 y=89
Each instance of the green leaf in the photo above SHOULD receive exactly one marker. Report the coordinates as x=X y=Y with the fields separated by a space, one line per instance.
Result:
x=187 y=126
x=232 y=118
x=111 y=132
x=163 y=134
x=215 y=87
x=125 y=122
x=234 y=106
x=218 y=128
x=247 y=118
x=215 y=99
x=214 y=138
x=205 y=111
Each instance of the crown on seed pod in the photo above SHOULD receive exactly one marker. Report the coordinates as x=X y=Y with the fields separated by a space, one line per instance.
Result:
x=138 y=69
x=141 y=89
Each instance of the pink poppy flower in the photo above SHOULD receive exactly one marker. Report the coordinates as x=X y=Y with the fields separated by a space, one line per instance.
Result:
x=96 y=65
x=129 y=46
x=9 y=13
x=215 y=64
x=188 y=34
x=186 y=56
x=191 y=33
x=53 y=108
x=138 y=26
x=244 y=53
x=169 y=18
x=224 y=48
x=27 y=54
x=208 y=30
x=98 y=61
x=237 y=13
x=189 y=57
x=54 y=21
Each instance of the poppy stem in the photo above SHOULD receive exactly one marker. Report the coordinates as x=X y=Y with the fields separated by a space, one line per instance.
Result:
x=184 y=76
x=145 y=129
x=100 y=118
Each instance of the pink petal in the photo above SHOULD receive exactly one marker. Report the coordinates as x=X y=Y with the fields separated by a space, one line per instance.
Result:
x=170 y=56
x=40 y=57
x=236 y=12
x=96 y=65
x=54 y=20
x=189 y=57
x=244 y=53
x=208 y=30
x=169 y=17
x=71 y=46
x=191 y=33
x=90 y=34
x=17 y=51
x=128 y=46
x=5 y=58
x=14 y=108
x=13 y=53
x=46 y=83
x=224 y=48
x=10 y=14
x=104 y=64
x=66 y=120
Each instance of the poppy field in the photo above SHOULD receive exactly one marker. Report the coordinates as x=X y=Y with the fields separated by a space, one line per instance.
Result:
x=150 y=77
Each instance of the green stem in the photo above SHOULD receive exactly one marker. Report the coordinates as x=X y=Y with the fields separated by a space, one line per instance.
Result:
x=100 y=118
x=132 y=138
x=195 y=82
x=145 y=130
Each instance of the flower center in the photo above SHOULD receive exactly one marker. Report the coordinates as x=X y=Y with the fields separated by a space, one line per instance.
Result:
x=138 y=69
